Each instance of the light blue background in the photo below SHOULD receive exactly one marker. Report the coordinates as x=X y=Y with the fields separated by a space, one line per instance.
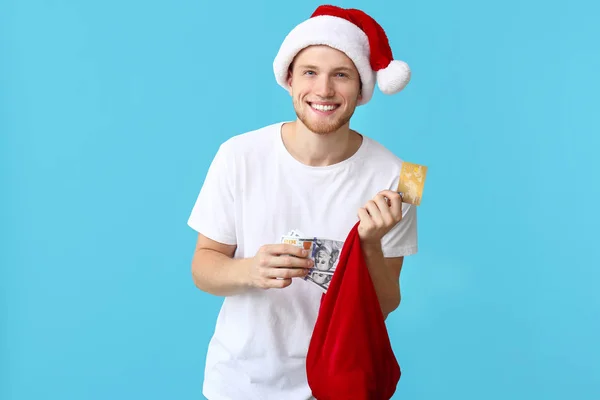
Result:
x=110 y=113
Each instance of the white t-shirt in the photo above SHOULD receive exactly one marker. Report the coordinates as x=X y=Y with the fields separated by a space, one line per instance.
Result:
x=254 y=193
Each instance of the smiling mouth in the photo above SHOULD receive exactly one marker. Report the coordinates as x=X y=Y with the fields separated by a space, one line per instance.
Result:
x=323 y=107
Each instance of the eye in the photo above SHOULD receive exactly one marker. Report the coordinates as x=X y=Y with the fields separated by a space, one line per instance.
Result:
x=308 y=72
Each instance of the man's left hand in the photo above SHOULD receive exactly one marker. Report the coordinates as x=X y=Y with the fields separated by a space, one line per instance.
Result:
x=379 y=216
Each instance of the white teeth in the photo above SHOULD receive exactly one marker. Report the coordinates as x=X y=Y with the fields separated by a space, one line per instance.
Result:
x=323 y=108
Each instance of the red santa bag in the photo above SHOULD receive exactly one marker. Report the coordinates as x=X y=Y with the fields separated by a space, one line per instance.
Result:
x=350 y=355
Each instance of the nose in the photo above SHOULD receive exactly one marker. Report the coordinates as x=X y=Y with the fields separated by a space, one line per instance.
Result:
x=324 y=87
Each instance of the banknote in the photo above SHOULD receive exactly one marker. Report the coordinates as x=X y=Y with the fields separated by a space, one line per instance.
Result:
x=324 y=252
x=411 y=183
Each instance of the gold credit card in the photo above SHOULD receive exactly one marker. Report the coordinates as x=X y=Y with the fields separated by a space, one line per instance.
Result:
x=412 y=181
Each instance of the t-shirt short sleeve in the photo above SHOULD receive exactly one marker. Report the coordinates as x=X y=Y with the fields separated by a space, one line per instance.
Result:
x=213 y=214
x=402 y=239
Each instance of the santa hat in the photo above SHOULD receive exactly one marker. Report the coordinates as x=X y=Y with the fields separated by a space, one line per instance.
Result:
x=356 y=34
x=350 y=355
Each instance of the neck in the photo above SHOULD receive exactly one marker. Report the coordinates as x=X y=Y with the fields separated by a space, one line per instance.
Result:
x=319 y=150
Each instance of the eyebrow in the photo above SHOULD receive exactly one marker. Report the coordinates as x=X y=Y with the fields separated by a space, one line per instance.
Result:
x=343 y=69
x=305 y=66
x=339 y=69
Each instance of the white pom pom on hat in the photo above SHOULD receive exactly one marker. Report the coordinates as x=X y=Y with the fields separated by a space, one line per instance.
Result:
x=393 y=78
x=356 y=34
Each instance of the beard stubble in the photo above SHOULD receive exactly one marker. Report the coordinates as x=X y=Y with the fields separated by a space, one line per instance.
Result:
x=321 y=127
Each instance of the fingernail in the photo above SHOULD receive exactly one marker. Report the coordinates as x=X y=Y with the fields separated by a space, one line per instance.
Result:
x=304 y=252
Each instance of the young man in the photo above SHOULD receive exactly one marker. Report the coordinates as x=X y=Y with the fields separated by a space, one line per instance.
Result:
x=314 y=175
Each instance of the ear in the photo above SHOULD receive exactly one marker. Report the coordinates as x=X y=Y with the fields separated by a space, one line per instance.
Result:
x=289 y=77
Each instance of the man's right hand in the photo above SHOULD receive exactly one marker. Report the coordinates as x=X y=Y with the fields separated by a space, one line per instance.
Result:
x=274 y=266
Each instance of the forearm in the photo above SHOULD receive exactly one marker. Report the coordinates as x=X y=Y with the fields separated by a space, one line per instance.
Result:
x=218 y=274
x=386 y=283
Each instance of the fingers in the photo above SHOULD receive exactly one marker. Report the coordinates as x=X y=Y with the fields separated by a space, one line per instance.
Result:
x=385 y=208
x=379 y=215
x=270 y=283
x=281 y=277
x=390 y=208
x=364 y=217
x=385 y=215
x=279 y=283
x=278 y=264
x=284 y=273
x=284 y=249
x=374 y=211
x=284 y=261
x=393 y=200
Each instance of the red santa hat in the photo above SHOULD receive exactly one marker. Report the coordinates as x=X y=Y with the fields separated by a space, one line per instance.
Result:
x=356 y=34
